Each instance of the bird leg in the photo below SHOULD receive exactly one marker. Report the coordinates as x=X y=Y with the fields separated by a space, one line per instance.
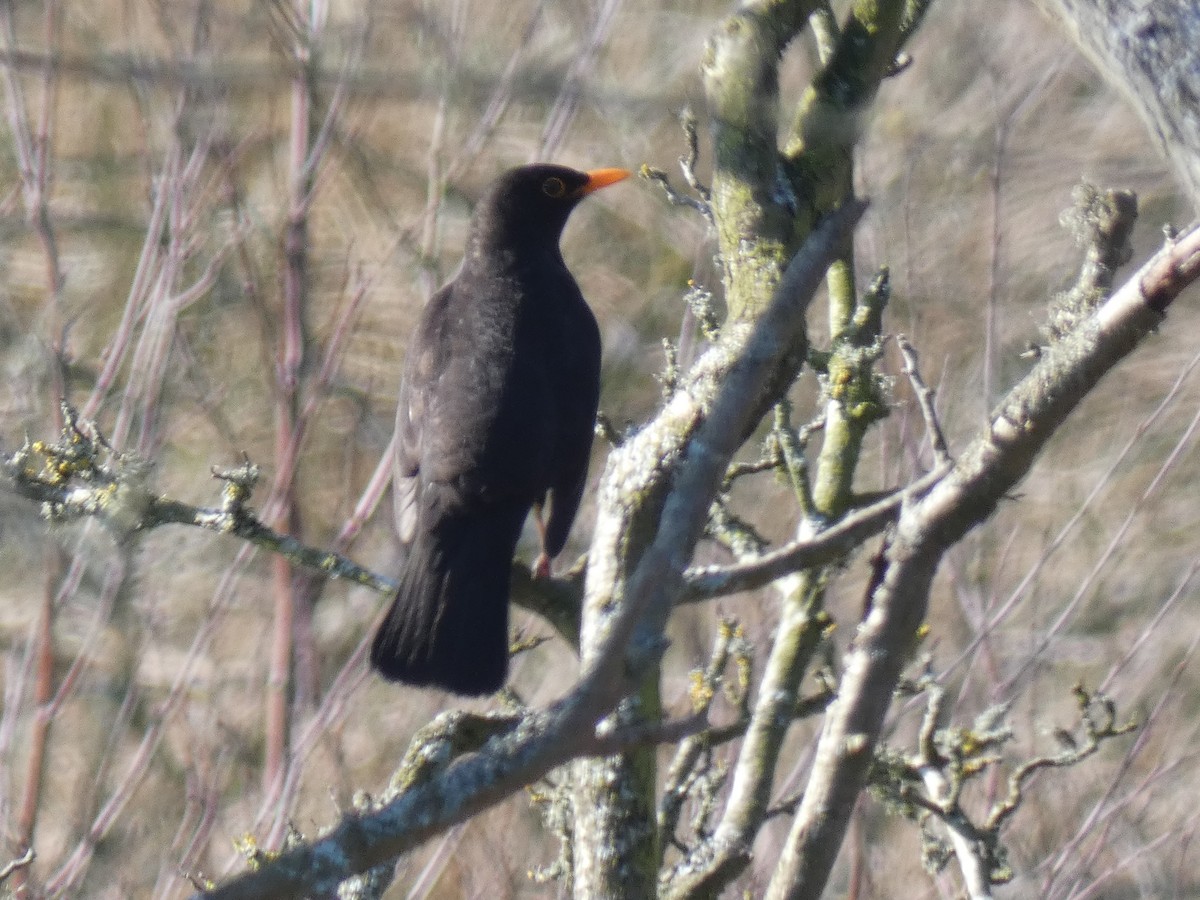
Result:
x=541 y=565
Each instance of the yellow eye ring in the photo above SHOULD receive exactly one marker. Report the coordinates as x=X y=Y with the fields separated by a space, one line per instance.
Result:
x=554 y=187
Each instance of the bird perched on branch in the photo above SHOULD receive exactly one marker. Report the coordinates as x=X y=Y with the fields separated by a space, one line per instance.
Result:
x=496 y=415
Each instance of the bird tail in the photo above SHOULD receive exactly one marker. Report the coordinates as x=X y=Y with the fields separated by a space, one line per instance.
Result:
x=448 y=623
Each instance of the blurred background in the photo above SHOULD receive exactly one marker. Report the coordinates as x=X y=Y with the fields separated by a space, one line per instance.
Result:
x=218 y=223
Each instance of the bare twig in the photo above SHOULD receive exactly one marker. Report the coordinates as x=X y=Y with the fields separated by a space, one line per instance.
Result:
x=659 y=177
x=1020 y=592
x=1051 y=632
x=687 y=162
x=20 y=862
x=566 y=104
x=933 y=427
x=692 y=760
x=702 y=202
x=826 y=547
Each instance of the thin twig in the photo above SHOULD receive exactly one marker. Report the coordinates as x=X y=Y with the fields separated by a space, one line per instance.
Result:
x=19 y=863
x=826 y=547
x=659 y=177
x=933 y=427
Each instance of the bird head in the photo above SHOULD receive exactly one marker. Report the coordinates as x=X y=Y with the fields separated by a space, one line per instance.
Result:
x=530 y=204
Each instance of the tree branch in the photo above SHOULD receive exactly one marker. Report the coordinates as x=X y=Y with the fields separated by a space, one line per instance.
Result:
x=1148 y=51
x=824 y=548
x=897 y=601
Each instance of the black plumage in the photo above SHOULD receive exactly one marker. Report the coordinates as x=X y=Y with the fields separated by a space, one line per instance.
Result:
x=496 y=414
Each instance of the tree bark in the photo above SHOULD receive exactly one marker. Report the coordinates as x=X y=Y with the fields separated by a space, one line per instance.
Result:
x=1151 y=52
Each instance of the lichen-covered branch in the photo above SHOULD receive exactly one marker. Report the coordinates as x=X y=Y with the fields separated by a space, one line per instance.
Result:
x=81 y=476
x=661 y=483
x=763 y=201
x=927 y=785
x=990 y=467
x=752 y=201
x=831 y=115
x=1102 y=223
x=691 y=772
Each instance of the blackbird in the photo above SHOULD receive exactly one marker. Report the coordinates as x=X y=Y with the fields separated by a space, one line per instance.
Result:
x=496 y=414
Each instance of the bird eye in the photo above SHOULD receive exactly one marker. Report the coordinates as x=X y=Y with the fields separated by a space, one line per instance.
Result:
x=554 y=187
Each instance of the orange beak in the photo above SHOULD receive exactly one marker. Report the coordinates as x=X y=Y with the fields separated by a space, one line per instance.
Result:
x=598 y=178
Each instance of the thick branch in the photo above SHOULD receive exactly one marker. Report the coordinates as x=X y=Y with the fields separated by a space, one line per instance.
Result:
x=751 y=200
x=692 y=440
x=989 y=469
x=1149 y=51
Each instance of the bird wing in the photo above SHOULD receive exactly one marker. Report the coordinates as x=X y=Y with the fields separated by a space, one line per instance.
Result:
x=470 y=407
x=578 y=395
x=423 y=365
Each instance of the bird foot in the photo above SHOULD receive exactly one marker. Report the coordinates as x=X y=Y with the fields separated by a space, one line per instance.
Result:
x=541 y=566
